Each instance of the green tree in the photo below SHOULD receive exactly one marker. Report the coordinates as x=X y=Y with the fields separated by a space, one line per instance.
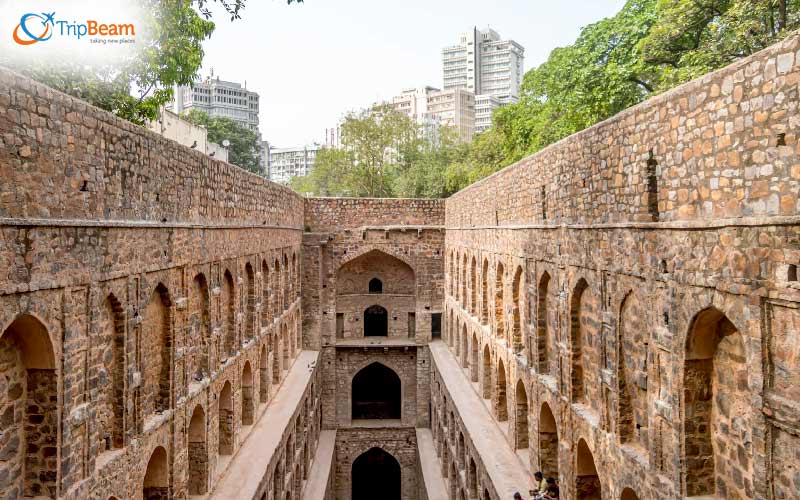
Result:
x=243 y=150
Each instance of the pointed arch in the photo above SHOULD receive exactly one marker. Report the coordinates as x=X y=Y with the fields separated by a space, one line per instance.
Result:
x=376 y=321
x=30 y=408
x=632 y=355
x=376 y=393
x=157 y=339
x=464 y=350
x=200 y=324
x=250 y=305
x=225 y=420
x=286 y=284
x=587 y=480
x=198 y=452
x=486 y=381
x=266 y=317
x=548 y=442
x=485 y=293
x=473 y=303
x=714 y=371
x=155 y=485
x=248 y=405
x=475 y=364
x=263 y=375
x=628 y=494
x=373 y=471
x=576 y=342
x=499 y=302
x=501 y=402
x=521 y=416
x=111 y=411
x=517 y=287
x=229 y=315
x=542 y=324
x=277 y=289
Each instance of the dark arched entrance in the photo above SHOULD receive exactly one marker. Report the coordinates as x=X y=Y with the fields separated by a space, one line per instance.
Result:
x=376 y=474
x=376 y=393
x=376 y=322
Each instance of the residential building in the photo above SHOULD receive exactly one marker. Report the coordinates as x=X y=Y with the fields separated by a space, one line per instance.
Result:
x=484 y=64
x=219 y=98
x=485 y=104
x=285 y=163
x=454 y=108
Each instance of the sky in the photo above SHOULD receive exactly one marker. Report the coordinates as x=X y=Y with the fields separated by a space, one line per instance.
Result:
x=313 y=62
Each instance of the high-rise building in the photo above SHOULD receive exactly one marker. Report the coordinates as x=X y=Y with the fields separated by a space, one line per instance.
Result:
x=485 y=65
x=219 y=98
x=454 y=108
x=285 y=163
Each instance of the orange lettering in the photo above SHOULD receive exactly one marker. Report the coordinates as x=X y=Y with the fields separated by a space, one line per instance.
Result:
x=92 y=27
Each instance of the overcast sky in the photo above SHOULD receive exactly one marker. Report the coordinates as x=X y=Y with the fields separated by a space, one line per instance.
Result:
x=313 y=62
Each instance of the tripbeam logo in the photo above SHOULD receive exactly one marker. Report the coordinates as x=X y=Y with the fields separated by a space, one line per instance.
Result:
x=28 y=25
x=35 y=28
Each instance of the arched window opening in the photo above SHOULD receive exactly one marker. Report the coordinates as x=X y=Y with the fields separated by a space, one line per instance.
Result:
x=516 y=298
x=485 y=293
x=542 y=325
x=587 y=481
x=265 y=298
x=200 y=325
x=631 y=372
x=285 y=341
x=248 y=406
x=229 y=315
x=376 y=393
x=548 y=442
x=464 y=281
x=472 y=478
x=501 y=404
x=375 y=286
x=30 y=415
x=157 y=336
x=285 y=292
x=225 y=418
x=486 y=382
x=376 y=473
x=713 y=396
x=474 y=363
x=576 y=337
x=263 y=375
x=464 y=347
x=198 y=453
x=473 y=303
x=376 y=321
x=156 y=477
x=499 y=303
x=521 y=416
x=111 y=411
x=250 y=308
x=277 y=289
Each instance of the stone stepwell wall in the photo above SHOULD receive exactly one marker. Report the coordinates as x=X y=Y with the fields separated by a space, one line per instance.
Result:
x=333 y=214
x=722 y=146
x=61 y=158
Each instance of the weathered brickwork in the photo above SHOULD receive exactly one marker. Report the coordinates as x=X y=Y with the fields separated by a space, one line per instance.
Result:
x=654 y=343
x=149 y=304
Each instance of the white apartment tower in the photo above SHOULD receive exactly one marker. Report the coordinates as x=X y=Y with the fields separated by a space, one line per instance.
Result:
x=489 y=67
x=219 y=98
x=285 y=163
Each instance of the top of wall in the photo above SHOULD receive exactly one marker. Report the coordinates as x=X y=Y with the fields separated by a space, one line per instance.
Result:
x=332 y=214
x=715 y=140
x=61 y=158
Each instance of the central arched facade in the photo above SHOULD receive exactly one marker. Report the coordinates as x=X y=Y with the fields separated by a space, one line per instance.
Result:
x=376 y=393
x=376 y=474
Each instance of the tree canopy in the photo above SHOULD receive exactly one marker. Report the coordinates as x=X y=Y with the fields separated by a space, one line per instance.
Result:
x=243 y=150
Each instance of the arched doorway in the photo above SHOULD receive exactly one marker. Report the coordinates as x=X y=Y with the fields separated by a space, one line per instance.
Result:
x=474 y=364
x=30 y=417
x=542 y=324
x=198 y=453
x=587 y=481
x=376 y=393
x=376 y=321
x=225 y=418
x=486 y=381
x=248 y=406
x=521 y=416
x=156 y=478
x=499 y=303
x=548 y=442
x=375 y=286
x=376 y=474
x=263 y=375
x=714 y=393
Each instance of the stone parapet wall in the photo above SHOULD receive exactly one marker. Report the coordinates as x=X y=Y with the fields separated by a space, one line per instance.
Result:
x=335 y=214
x=722 y=146
x=61 y=158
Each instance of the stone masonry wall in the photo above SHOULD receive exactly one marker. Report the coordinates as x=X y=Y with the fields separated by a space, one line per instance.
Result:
x=654 y=326
x=116 y=244
x=335 y=214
